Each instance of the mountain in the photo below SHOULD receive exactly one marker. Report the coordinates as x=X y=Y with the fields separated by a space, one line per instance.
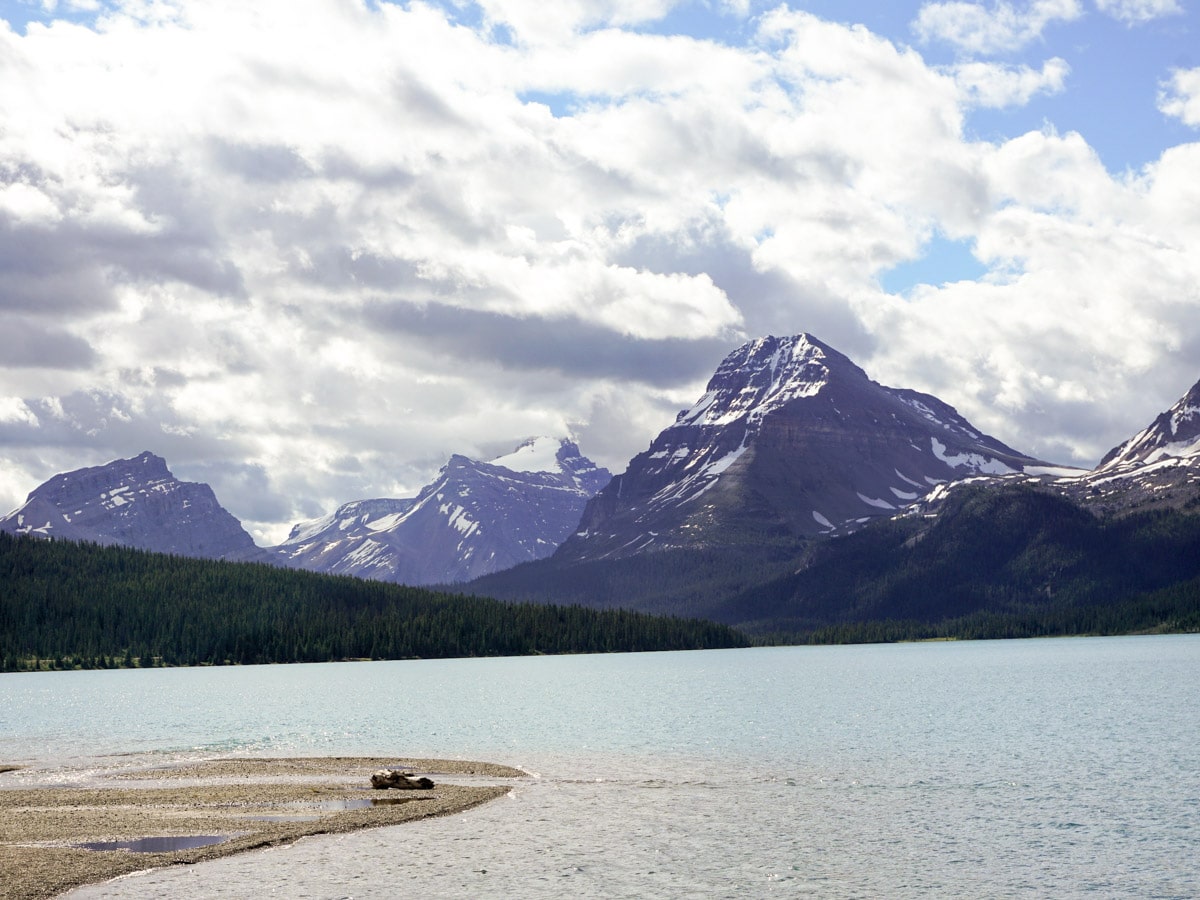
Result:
x=1014 y=554
x=790 y=440
x=1000 y=559
x=134 y=503
x=1113 y=549
x=474 y=518
x=1159 y=467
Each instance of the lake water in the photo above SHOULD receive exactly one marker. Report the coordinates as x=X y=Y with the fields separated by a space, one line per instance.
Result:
x=1049 y=768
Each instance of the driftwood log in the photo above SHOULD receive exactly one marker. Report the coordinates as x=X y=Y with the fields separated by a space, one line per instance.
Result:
x=403 y=781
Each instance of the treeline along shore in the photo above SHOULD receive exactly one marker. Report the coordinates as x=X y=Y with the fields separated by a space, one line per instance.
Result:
x=79 y=605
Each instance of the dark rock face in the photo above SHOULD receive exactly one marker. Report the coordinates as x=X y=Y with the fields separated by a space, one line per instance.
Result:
x=475 y=518
x=1159 y=467
x=791 y=439
x=134 y=503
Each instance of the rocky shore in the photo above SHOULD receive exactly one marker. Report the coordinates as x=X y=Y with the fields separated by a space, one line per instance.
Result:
x=245 y=803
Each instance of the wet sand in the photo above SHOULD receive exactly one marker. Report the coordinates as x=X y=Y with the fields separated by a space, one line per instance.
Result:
x=253 y=803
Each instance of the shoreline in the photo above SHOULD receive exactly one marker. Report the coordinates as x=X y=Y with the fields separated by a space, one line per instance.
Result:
x=251 y=803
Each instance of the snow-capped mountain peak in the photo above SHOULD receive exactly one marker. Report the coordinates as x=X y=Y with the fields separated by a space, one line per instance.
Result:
x=1159 y=467
x=538 y=454
x=371 y=515
x=555 y=456
x=761 y=376
x=1174 y=435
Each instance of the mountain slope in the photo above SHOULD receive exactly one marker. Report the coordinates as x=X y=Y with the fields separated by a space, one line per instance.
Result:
x=1159 y=467
x=475 y=518
x=1010 y=553
x=1015 y=551
x=133 y=502
x=791 y=440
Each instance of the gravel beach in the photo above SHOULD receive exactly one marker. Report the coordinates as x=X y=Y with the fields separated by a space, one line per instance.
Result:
x=247 y=803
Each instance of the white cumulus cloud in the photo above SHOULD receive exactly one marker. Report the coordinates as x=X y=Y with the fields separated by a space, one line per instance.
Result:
x=1135 y=11
x=539 y=22
x=996 y=86
x=994 y=28
x=1180 y=96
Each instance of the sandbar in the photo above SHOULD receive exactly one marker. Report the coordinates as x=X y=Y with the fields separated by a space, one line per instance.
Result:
x=252 y=803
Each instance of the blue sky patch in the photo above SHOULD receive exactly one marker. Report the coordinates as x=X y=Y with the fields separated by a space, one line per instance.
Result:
x=944 y=261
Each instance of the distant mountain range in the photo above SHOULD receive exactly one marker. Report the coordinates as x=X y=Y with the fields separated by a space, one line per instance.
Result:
x=792 y=444
x=774 y=472
x=475 y=518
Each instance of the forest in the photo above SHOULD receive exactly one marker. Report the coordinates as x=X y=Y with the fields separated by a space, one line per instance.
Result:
x=994 y=563
x=67 y=605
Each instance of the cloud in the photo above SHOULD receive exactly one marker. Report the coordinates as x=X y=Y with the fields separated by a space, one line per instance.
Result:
x=567 y=347
x=1133 y=12
x=306 y=258
x=14 y=411
x=999 y=28
x=996 y=86
x=543 y=23
x=1179 y=97
x=33 y=345
x=1087 y=269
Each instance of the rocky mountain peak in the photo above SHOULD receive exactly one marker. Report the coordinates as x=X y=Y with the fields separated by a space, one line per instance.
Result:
x=763 y=375
x=559 y=457
x=133 y=502
x=1157 y=468
x=1173 y=435
x=146 y=469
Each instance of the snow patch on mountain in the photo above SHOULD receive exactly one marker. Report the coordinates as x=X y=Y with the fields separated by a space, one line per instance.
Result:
x=972 y=462
x=875 y=502
x=536 y=455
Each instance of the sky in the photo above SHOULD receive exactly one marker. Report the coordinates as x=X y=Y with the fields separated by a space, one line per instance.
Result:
x=306 y=250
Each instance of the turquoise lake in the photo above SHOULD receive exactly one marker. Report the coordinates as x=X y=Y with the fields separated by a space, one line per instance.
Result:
x=1048 y=768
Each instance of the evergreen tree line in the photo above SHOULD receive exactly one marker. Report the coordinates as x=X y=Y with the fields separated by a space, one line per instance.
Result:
x=68 y=605
x=1175 y=610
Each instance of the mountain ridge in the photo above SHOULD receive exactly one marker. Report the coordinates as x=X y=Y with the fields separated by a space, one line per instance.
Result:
x=1157 y=471
x=472 y=519
x=790 y=444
